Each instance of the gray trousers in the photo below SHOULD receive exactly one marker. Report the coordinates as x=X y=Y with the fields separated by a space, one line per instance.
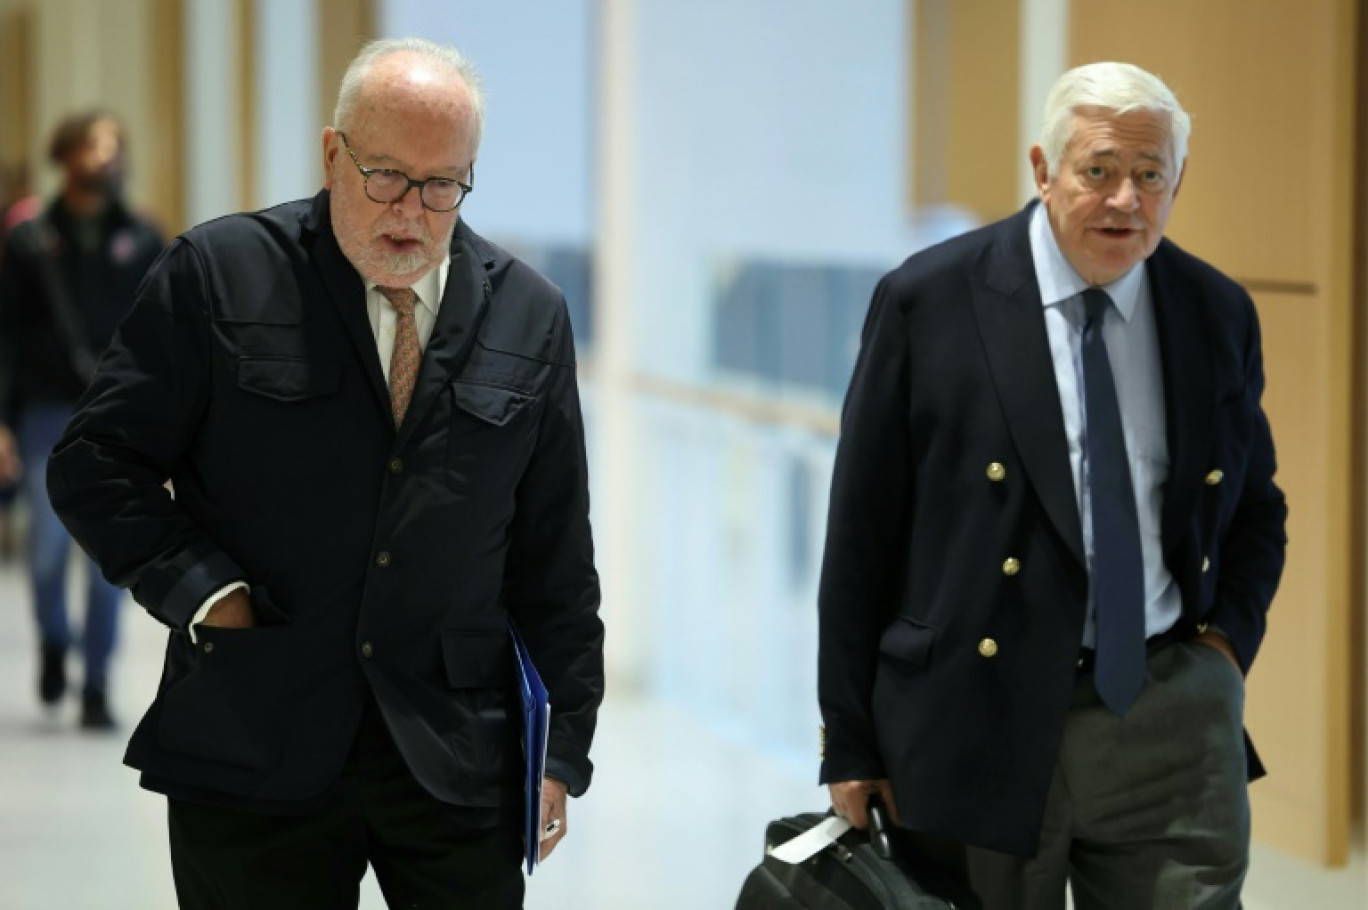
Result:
x=1146 y=813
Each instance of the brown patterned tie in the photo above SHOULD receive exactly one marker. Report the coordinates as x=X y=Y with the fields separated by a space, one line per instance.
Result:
x=403 y=371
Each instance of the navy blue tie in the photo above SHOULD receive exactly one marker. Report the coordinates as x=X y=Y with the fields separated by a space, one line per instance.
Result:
x=1118 y=568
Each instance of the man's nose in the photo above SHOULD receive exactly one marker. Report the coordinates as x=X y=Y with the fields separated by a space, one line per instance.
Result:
x=1126 y=198
x=411 y=203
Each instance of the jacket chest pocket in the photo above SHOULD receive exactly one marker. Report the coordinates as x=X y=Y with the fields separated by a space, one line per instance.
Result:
x=491 y=433
x=288 y=379
x=292 y=409
x=488 y=404
x=277 y=359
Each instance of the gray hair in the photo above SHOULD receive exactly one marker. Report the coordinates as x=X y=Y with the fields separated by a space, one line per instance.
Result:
x=1119 y=87
x=448 y=58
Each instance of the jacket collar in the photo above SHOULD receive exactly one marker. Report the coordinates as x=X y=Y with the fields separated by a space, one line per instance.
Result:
x=1007 y=306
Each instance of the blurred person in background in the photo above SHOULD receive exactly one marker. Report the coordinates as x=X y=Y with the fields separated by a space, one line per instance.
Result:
x=1054 y=536
x=20 y=204
x=370 y=418
x=68 y=277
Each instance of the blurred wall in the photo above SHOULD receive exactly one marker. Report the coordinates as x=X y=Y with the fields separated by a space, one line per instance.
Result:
x=81 y=54
x=534 y=179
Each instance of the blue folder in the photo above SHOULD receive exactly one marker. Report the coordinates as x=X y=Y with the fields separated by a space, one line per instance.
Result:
x=536 y=710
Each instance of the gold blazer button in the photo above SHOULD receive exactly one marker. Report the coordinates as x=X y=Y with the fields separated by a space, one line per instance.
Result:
x=1011 y=565
x=988 y=648
x=1215 y=477
x=996 y=471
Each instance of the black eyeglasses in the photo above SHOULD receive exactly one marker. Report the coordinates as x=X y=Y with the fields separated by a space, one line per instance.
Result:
x=386 y=185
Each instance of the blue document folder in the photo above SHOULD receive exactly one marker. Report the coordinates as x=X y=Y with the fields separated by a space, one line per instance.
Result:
x=536 y=726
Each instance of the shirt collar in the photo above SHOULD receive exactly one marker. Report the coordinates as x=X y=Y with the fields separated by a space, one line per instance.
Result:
x=430 y=287
x=1059 y=282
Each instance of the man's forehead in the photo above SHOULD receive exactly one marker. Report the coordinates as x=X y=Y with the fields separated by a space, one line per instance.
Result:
x=1107 y=134
x=383 y=150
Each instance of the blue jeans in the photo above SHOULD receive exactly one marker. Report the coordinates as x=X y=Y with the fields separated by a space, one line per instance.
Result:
x=38 y=428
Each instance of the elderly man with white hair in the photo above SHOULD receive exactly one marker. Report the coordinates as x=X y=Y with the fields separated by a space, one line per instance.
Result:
x=370 y=421
x=1054 y=536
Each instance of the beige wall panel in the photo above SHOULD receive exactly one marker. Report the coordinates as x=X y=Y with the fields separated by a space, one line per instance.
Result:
x=161 y=150
x=1293 y=696
x=966 y=105
x=346 y=26
x=1269 y=199
x=1249 y=73
x=984 y=156
x=16 y=84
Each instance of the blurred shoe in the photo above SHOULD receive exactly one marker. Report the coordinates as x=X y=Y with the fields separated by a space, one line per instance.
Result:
x=95 y=710
x=52 y=681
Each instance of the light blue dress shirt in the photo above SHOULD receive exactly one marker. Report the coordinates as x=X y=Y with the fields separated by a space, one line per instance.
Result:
x=1133 y=349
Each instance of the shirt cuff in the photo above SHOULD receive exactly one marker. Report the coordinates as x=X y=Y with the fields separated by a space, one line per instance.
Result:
x=203 y=611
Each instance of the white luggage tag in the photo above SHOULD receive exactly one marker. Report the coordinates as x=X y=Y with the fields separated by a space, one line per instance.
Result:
x=812 y=841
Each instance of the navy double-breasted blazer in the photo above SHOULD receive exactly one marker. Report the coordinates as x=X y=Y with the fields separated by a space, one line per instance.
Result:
x=940 y=670
x=379 y=559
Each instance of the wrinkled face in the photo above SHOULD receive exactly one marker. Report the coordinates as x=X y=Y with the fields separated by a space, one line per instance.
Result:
x=97 y=165
x=1110 y=200
x=411 y=118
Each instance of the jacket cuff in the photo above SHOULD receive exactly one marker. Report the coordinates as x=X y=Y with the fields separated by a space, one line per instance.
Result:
x=575 y=777
x=175 y=596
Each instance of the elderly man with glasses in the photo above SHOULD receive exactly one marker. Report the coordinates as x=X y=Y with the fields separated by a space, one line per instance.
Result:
x=370 y=423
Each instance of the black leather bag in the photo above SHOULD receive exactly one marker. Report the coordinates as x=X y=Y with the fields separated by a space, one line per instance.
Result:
x=848 y=875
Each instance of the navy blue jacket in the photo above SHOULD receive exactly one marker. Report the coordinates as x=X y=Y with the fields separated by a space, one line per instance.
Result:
x=379 y=560
x=955 y=374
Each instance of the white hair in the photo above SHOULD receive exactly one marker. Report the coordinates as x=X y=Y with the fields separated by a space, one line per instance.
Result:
x=1119 y=87
x=448 y=58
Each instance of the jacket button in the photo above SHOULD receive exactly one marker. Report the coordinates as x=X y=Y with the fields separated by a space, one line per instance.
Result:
x=367 y=649
x=396 y=465
x=382 y=559
x=988 y=648
x=1206 y=563
x=208 y=646
x=1215 y=477
x=1011 y=565
x=996 y=471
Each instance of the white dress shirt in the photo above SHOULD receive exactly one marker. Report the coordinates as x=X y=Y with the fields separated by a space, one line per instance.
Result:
x=1132 y=340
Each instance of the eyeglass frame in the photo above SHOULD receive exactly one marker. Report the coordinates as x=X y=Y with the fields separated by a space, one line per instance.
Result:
x=366 y=172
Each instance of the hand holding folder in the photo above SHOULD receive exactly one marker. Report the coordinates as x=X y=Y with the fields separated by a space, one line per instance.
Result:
x=536 y=725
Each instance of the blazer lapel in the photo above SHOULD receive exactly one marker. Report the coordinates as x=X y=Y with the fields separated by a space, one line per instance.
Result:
x=1007 y=306
x=347 y=293
x=463 y=306
x=1189 y=394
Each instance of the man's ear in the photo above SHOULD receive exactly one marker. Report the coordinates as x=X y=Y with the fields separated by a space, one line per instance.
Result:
x=1041 y=168
x=330 y=150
